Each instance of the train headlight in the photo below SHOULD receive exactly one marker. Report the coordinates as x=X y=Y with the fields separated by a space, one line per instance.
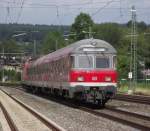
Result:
x=80 y=78
x=107 y=78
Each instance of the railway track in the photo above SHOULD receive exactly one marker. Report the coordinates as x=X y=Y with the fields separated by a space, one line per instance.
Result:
x=48 y=124
x=127 y=118
x=11 y=123
x=131 y=119
x=112 y=113
x=133 y=98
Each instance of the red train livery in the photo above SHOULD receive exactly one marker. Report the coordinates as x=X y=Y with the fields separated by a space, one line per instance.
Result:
x=84 y=70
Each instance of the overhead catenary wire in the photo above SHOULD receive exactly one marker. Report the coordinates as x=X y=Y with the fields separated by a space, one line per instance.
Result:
x=77 y=8
x=7 y=13
x=88 y=6
x=58 y=17
x=107 y=4
x=9 y=10
x=20 y=12
x=120 y=10
x=43 y=5
x=55 y=5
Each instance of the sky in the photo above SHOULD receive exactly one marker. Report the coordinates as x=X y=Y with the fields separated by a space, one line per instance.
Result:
x=63 y=12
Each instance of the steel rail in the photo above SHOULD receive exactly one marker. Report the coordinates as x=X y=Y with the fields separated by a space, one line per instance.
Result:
x=133 y=98
x=106 y=115
x=140 y=116
x=10 y=122
x=51 y=125
x=117 y=119
x=109 y=116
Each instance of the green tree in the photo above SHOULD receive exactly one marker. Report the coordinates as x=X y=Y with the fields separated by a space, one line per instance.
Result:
x=53 y=41
x=83 y=22
x=141 y=26
x=123 y=55
x=109 y=32
x=10 y=46
x=144 y=48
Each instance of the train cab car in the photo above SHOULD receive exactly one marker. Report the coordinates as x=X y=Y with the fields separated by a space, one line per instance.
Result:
x=93 y=75
x=84 y=70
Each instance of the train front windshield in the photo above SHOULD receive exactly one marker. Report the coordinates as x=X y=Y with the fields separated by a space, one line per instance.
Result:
x=92 y=61
x=102 y=62
x=85 y=62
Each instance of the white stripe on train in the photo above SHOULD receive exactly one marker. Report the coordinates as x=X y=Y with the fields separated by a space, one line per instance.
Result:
x=94 y=84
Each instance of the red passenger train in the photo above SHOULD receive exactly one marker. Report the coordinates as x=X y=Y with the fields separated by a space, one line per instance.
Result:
x=84 y=70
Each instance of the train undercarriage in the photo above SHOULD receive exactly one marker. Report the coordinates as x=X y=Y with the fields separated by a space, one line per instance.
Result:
x=95 y=95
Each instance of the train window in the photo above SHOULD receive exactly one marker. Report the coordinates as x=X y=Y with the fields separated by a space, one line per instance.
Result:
x=102 y=62
x=72 y=61
x=41 y=70
x=31 y=71
x=38 y=70
x=28 y=72
x=114 y=62
x=85 y=61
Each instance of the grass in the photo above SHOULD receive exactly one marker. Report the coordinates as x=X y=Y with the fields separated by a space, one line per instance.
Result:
x=10 y=83
x=141 y=89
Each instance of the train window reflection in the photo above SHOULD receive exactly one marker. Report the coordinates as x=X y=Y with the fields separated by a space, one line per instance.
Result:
x=85 y=61
x=102 y=62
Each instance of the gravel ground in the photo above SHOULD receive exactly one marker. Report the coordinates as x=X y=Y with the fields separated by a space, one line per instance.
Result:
x=1 y=127
x=69 y=118
x=131 y=107
x=126 y=117
x=3 y=122
x=22 y=118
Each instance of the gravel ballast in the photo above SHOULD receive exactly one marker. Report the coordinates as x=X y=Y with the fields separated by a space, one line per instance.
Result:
x=131 y=107
x=3 y=122
x=69 y=118
x=1 y=127
x=24 y=120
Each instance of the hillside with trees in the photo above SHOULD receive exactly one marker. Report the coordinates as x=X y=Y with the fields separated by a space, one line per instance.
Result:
x=51 y=38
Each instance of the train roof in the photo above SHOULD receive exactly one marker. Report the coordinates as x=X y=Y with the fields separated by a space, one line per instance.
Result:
x=77 y=47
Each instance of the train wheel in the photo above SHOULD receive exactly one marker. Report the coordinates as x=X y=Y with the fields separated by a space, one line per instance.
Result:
x=101 y=103
x=35 y=90
x=27 y=88
x=95 y=97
